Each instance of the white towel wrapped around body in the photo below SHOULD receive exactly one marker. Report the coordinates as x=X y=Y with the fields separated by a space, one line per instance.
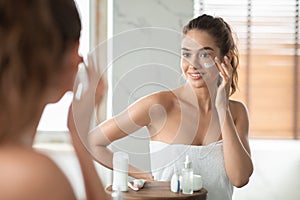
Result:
x=208 y=161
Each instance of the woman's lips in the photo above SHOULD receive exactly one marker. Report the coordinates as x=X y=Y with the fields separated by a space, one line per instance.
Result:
x=196 y=75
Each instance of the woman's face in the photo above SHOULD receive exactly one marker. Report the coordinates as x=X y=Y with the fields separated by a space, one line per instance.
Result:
x=198 y=51
x=66 y=77
x=72 y=61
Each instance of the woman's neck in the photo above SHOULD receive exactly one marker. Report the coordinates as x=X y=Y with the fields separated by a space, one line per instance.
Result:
x=200 y=97
x=21 y=134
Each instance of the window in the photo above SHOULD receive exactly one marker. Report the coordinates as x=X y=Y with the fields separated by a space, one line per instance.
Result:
x=54 y=117
x=268 y=41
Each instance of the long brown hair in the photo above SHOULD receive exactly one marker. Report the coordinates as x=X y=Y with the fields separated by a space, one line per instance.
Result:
x=34 y=35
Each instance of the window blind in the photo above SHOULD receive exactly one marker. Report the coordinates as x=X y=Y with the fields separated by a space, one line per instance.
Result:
x=268 y=34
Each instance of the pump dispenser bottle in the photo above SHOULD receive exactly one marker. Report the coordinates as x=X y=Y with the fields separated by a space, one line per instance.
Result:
x=187 y=177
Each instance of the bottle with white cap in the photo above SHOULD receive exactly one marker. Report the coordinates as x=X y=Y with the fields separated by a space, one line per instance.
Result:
x=187 y=177
x=120 y=171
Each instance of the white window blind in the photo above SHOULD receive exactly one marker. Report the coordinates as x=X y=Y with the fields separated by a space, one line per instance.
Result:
x=268 y=42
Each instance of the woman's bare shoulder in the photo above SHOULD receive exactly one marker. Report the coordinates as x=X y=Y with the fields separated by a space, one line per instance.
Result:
x=162 y=97
x=237 y=105
x=238 y=109
x=165 y=99
x=26 y=174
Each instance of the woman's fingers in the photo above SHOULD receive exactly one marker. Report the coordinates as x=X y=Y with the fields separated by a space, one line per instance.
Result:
x=218 y=62
x=224 y=68
x=227 y=66
x=226 y=71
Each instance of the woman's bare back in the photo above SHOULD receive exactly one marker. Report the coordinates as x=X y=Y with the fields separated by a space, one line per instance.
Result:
x=26 y=174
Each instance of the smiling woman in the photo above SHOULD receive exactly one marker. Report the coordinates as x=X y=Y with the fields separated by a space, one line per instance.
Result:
x=196 y=119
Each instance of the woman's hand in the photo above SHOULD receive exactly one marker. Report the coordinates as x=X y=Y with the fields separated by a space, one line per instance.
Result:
x=223 y=90
x=88 y=85
x=224 y=82
x=138 y=174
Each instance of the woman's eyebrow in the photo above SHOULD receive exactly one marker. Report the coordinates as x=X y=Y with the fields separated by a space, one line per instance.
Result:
x=204 y=48
x=185 y=49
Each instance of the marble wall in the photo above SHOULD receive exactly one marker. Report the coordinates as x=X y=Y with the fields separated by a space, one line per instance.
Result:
x=145 y=58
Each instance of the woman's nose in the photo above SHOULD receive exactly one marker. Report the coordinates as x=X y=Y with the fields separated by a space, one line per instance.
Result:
x=191 y=66
x=80 y=59
x=195 y=63
x=194 y=66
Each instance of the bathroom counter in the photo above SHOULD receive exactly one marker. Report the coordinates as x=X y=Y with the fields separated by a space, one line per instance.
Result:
x=159 y=191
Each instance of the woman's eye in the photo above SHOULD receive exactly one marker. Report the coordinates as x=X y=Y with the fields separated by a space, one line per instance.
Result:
x=186 y=55
x=204 y=55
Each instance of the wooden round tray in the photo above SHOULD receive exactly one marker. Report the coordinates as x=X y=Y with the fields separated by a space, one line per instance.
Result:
x=159 y=190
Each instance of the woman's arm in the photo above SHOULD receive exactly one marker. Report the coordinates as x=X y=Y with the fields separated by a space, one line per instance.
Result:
x=235 y=131
x=93 y=185
x=79 y=120
x=236 y=148
x=127 y=122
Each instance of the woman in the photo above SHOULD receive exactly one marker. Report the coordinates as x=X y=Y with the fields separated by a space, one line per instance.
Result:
x=38 y=64
x=197 y=119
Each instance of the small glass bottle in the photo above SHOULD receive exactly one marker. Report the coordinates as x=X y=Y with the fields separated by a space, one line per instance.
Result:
x=187 y=177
